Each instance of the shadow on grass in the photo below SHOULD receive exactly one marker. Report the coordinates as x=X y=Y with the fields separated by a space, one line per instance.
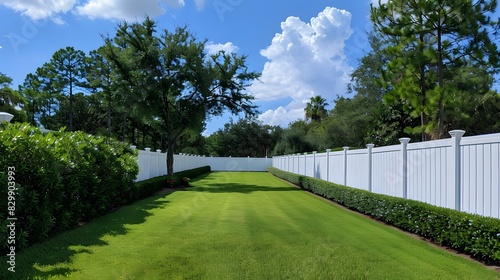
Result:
x=238 y=188
x=47 y=259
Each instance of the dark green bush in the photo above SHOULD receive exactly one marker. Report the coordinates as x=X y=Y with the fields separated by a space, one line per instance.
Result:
x=62 y=179
x=191 y=173
x=472 y=234
x=148 y=187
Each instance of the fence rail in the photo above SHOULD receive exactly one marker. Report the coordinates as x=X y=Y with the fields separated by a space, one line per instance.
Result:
x=460 y=173
x=153 y=164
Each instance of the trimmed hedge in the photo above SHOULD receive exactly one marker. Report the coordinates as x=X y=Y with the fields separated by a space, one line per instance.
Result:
x=61 y=180
x=149 y=187
x=472 y=234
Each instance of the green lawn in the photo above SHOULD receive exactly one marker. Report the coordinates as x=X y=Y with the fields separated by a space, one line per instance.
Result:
x=238 y=226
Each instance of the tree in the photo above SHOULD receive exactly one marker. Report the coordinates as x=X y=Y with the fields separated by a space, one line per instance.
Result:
x=99 y=74
x=170 y=78
x=30 y=91
x=293 y=139
x=67 y=68
x=315 y=108
x=433 y=39
x=42 y=95
x=246 y=137
x=11 y=101
x=349 y=122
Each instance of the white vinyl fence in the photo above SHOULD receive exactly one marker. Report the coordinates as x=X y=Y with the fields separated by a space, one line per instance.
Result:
x=154 y=164
x=458 y=173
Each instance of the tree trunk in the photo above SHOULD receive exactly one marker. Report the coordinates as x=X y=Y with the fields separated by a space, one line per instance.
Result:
x=155 y=141
x=70 y=101
x=170 y=157
x=144 y=136
x=132 y=134
x=33 y=116
x=441 y=85
x=423 y=90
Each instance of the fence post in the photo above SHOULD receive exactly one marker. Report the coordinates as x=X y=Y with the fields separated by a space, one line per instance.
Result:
x=314 y=163
x=345 y=165
x=328 y=164
x=370 y=147
x=289 y=163
x=158 y=163
x=298 y=163
x=305 y=164
x=404 y=151
x=148 y=162
x=456 y=137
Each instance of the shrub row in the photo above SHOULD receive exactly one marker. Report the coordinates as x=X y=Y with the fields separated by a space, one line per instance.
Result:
x=148 y=187
x=474 y=235
x=61 y=179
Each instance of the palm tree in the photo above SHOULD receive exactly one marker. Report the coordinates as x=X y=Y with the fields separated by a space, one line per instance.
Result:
x=315 y=108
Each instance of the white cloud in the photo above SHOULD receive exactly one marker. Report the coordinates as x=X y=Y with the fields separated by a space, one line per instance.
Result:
x=58 y=20
x=126 y=9
x=281 y=116
x=107 y=9
x=39 y=9
x=305 y=59
x=213 y=48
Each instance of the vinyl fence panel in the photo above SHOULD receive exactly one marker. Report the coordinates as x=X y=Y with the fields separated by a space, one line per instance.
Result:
x=460 y=172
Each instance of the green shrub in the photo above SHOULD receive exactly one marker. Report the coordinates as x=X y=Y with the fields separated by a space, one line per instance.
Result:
x=148 y=187
x=472 y=234
x=62 y=179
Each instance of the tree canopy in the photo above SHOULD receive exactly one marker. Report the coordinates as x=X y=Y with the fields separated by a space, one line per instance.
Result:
x=431 y=68
x=168 y=77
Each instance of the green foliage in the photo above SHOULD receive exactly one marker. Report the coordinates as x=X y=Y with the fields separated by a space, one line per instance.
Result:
x=174 y=81
x=475 y=235
x=293 y=139
x=66 y=71
x=315 y=109
x=246 y=137
x=11 y=101
x=429 y=43
x=62 y=179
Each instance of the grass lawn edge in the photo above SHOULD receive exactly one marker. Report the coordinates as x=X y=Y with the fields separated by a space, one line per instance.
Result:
x=413 y=235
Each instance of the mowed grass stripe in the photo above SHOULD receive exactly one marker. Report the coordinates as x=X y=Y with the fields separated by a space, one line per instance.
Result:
x=239 y=225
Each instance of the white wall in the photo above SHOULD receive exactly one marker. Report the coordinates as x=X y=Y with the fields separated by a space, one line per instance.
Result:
x=153 y=164
x=458 y=173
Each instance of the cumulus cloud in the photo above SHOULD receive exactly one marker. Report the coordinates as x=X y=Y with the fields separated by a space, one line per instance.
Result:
x=213 y=48
x=126 y=9
x=40 y=9
x=281 y=116
x=304 y=60
x=107 y=9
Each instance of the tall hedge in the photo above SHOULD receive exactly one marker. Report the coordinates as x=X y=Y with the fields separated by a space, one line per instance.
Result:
x=475 y=235
x=61 y=179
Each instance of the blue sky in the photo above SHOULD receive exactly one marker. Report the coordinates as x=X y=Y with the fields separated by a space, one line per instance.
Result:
x=302 y=48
